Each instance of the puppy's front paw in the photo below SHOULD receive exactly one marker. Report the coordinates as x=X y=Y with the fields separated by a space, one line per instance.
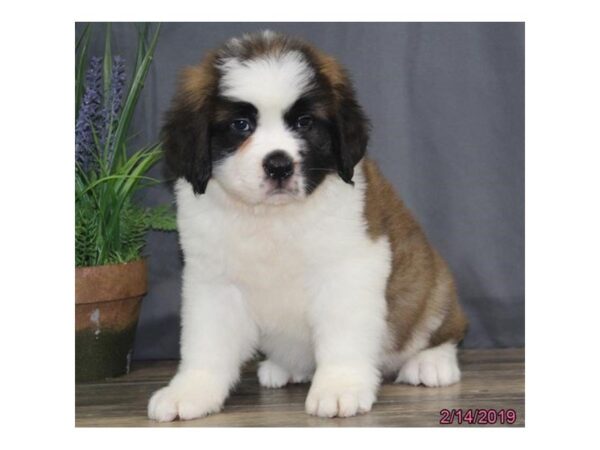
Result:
x=190 y=395
x=342 y=393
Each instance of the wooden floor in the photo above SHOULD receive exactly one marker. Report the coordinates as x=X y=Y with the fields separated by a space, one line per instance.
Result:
x=492 y=379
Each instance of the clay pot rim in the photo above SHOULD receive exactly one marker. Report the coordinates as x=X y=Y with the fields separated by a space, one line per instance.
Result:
x=143 y=259
x=110 y=282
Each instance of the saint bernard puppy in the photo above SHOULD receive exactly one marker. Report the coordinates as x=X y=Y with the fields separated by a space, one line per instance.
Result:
x=294 y=243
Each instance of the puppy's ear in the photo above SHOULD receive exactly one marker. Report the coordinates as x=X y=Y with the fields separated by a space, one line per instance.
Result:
x=186 y=133
x=350 y=131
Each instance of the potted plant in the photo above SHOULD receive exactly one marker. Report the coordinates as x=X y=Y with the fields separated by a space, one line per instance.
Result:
x=110 y=227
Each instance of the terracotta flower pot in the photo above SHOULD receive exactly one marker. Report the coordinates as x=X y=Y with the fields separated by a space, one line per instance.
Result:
x=107 y=307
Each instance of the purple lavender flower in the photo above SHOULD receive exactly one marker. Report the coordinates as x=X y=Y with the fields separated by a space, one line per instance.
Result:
x=91 y=119
x=117 y=86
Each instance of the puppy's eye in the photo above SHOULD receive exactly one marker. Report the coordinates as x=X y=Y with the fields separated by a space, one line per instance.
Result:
x=304 y=121
x=241 y=125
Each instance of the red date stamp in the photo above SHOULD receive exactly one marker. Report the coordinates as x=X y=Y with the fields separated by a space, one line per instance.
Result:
x=478 y=416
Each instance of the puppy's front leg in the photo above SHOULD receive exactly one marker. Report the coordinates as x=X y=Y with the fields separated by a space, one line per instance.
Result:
x=217 y=335
x=348 y=321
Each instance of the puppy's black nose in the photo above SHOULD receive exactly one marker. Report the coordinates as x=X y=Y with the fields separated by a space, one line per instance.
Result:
x=278 y=165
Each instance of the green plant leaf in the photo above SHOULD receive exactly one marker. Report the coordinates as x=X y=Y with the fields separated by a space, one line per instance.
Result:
x=137 y=84
x=107 y=64
x=162 y=218
x=80 y=62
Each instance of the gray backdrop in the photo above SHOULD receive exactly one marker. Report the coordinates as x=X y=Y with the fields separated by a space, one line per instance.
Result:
x=447 y=105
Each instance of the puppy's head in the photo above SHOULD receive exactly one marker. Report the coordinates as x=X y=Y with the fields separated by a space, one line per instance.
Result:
x=267 y=117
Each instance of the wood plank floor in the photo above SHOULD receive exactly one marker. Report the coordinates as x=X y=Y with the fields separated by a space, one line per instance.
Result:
x=492 y=379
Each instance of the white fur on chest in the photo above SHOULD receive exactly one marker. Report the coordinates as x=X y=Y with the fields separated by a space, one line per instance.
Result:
x=274 y=254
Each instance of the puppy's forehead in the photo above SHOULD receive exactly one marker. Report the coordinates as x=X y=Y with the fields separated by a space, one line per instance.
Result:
x=267 y=81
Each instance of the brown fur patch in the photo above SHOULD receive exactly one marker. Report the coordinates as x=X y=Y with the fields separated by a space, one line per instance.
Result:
x=258 y=45
x=198 y=82
x=330 y=68
x=420 y=286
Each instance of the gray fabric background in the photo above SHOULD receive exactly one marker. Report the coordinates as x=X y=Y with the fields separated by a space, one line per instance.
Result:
x=447 y=105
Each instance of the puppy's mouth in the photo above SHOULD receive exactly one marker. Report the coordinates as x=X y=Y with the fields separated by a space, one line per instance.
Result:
x=278 y=191
x=289 y=187
x=281 y=195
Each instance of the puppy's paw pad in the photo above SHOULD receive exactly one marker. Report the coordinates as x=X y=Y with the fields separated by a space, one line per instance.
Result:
x=271 y=375
x=433 y=367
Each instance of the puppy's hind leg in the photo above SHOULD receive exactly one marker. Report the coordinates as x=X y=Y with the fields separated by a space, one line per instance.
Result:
x=433 y=367
x=272 y=375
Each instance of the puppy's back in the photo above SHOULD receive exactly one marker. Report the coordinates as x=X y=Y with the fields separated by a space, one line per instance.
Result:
x=423 y=308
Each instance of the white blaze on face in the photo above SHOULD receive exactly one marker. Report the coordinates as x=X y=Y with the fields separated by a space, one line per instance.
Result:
x=272 y=81
x=272 y=84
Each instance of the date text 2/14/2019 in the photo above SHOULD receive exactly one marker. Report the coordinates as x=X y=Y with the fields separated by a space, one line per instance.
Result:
x=478 y=416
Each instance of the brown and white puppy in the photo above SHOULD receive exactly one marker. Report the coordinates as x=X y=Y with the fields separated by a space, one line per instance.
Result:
x=294 y=243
